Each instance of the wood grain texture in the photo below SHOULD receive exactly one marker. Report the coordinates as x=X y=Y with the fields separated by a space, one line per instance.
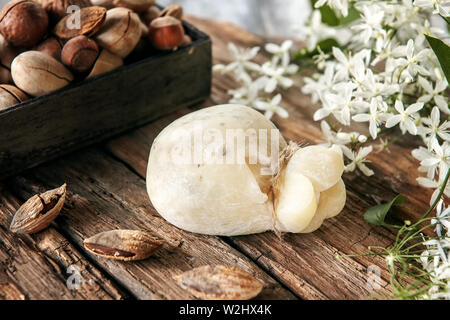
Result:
x=35 y=267
x=106 y=190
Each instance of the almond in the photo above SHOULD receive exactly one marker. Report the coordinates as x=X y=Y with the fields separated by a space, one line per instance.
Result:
x=39 y=211
x=219 y=283
x=125 y=245
x=91 y=20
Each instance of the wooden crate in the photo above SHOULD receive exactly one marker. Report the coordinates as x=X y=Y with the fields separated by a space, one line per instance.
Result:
x=95 y=109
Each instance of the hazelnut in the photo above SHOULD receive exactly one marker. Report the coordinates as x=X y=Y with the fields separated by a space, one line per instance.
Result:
x=10 y=96
x=166 y=33
x=121 y=32
x=151 y=14
x=57 y=9
x=173 y=10
x=135 y=5
x=79 y=53
x=7 y=53
x=106 y=62
x=23 y=23
x=52 y=47
x=37 y=73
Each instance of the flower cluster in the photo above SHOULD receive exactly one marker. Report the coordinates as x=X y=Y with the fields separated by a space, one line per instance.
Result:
x=386 y=76
x=260 y=84
x=435 y=259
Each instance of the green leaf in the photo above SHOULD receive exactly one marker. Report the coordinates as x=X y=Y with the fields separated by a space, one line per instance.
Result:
x=325 y=45
x=330 y=18
x=377 y=214
x=442 y=51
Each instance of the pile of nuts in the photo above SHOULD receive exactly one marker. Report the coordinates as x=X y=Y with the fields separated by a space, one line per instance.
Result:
x=47 y=44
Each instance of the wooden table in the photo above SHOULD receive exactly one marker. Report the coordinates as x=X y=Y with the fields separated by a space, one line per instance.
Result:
x=106 y=190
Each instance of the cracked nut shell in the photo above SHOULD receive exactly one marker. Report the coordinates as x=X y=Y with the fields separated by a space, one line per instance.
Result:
x=39 y=211
x=37 y=73
x=91 y=20
x=125 y=245
x=23 y=23
x=217 y=282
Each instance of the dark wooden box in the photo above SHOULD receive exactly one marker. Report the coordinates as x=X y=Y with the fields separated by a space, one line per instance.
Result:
x=95 y=109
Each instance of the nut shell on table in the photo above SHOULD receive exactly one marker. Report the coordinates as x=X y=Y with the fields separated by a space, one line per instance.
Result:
x=57 y=9
x=39 y=211
x=106 y=62
x=23 y=23
x=124 y=245
x=166 y=33
x=37 y=73
x=121 y=31
x=10 y=96
x=91 y=20
x=80 y=53
x=52 y=47
x=135 y=5
x=217 y=282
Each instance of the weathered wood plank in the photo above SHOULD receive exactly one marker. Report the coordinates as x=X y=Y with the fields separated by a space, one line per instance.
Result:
x=103 y=194
x=35 y=267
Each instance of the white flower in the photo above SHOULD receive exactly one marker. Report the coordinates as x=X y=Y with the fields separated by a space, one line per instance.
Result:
x=375 y=118
x=272 y=107
x=438 y=6
x=439 y=157
x=247 y=94
x=436 y=185
x=433 y=129
x=373 y=88
x=371 y=18
x=276 y=76
x=412 y=60
x=347 y=64
x=358 y=160
x=405 y=117
x=241 y=60
x=340 y=138
x=434 y=93
x=442 y=220
x=421 y=154
x=337 y=104
x=280 y=52
x=315 y=31
x=340 y=5
x=325 y=83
